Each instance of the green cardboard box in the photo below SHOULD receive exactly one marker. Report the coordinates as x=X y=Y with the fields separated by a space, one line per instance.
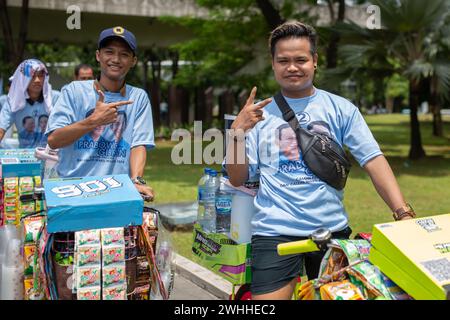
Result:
x=415 y=254
x=222 y=255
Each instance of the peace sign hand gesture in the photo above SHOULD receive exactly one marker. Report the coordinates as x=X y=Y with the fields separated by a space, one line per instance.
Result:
x=251 y=113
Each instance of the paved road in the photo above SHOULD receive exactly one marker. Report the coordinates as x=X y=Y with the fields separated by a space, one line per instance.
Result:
x=184 y=289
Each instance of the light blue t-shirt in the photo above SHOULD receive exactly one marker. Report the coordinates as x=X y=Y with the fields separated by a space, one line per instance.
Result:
x=31 y=122
x=291 y=199
x=106 y=149
x=3 y=99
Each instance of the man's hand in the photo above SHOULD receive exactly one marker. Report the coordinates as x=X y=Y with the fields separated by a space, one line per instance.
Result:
x=146 y=192
x=250 y=114
x=406 y=217
x=106 y=113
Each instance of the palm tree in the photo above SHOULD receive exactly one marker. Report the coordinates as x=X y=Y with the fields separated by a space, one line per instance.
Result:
x=406 y=44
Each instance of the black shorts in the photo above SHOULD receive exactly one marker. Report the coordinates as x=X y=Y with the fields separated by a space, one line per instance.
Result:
x=271 y=271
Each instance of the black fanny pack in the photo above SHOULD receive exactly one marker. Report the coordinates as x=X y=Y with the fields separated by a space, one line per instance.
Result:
x=323 y=156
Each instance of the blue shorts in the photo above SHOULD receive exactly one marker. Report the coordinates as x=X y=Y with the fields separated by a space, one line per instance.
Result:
x=271 y=271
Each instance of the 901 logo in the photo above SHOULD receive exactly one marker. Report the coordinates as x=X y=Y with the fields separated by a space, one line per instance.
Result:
x=74 y=190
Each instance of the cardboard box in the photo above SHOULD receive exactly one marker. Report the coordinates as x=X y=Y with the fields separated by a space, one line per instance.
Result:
x=222 y=255
x=415 y=254
x=19 y=163
x=76 y=204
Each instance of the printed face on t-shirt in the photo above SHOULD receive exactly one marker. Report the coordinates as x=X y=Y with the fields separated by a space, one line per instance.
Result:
x=28 y=124
x=43 y=122
x=288 y=142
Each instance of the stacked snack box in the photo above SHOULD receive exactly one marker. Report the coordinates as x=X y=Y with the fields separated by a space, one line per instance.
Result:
x=415 y=254
x=19 y=172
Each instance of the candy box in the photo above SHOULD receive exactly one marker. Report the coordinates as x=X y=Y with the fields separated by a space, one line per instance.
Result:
x=19 y=163
x=92 y=203
x=415 y=255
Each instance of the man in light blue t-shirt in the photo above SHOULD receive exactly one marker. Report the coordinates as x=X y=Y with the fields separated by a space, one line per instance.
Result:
x=29 y=102
x=292 y=201
x=104 y=126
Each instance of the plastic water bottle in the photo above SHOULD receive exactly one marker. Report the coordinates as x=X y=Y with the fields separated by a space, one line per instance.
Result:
x=201 y=186
x=208 y=221
x=201 y=195
x=223 y=210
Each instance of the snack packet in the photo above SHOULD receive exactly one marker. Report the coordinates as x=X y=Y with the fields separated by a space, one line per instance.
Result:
x=92 y=293
x=88 y=256
x=29 y=252
x=88 y=277
x=31 y=227
x=113 y=236
x=11 y=188
x=113 y=255
x=32 y=293
x=26 y=186
x=113 y=275
x=87 y=238
x=118 y=292
x=341 y=290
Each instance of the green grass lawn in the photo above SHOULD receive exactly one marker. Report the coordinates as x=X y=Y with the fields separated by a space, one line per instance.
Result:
x=425 y=183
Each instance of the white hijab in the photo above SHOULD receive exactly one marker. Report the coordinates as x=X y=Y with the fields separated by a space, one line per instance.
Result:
x=18 y=93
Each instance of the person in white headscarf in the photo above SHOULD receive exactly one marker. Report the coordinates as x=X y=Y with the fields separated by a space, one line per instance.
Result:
x=29 y=97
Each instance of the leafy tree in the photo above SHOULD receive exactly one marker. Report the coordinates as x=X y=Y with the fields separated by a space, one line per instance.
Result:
x=407 y=45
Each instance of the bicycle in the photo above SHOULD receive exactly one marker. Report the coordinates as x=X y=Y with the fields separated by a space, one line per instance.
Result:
x=319 y=240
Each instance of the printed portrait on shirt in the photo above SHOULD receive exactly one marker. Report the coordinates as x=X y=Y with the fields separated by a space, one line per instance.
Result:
x=98 y=131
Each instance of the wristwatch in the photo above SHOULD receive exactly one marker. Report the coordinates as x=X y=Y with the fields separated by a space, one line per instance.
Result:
x=401 y=212
x=139 y=180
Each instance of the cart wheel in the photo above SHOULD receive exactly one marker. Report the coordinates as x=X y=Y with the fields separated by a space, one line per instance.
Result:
x=243 y=293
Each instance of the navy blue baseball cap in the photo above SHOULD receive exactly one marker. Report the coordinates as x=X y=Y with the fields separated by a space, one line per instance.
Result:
x=118 y=32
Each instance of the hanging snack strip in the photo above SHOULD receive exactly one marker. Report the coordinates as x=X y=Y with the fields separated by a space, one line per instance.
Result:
x=156 y=285
x=113 y=264
x=87 y=264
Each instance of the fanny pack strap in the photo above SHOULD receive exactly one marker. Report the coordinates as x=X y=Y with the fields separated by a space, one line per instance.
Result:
x=289 y=117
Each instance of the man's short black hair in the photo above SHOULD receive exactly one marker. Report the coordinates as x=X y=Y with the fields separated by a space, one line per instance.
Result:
x=82 y=66
x=25 y=119
x=293 y=29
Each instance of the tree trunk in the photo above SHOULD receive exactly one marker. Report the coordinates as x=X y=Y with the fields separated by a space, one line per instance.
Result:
x=332 y=49
x=438 y=128
x=199 y=113
x=178 y=105
x=226 y=103
x=270 y=13
x=416 y=150
x=156 y=92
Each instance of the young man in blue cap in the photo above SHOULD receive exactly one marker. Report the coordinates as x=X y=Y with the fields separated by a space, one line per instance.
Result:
x=86 y=106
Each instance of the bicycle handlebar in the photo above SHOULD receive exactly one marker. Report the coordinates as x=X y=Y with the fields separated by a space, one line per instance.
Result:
x=295 y=247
